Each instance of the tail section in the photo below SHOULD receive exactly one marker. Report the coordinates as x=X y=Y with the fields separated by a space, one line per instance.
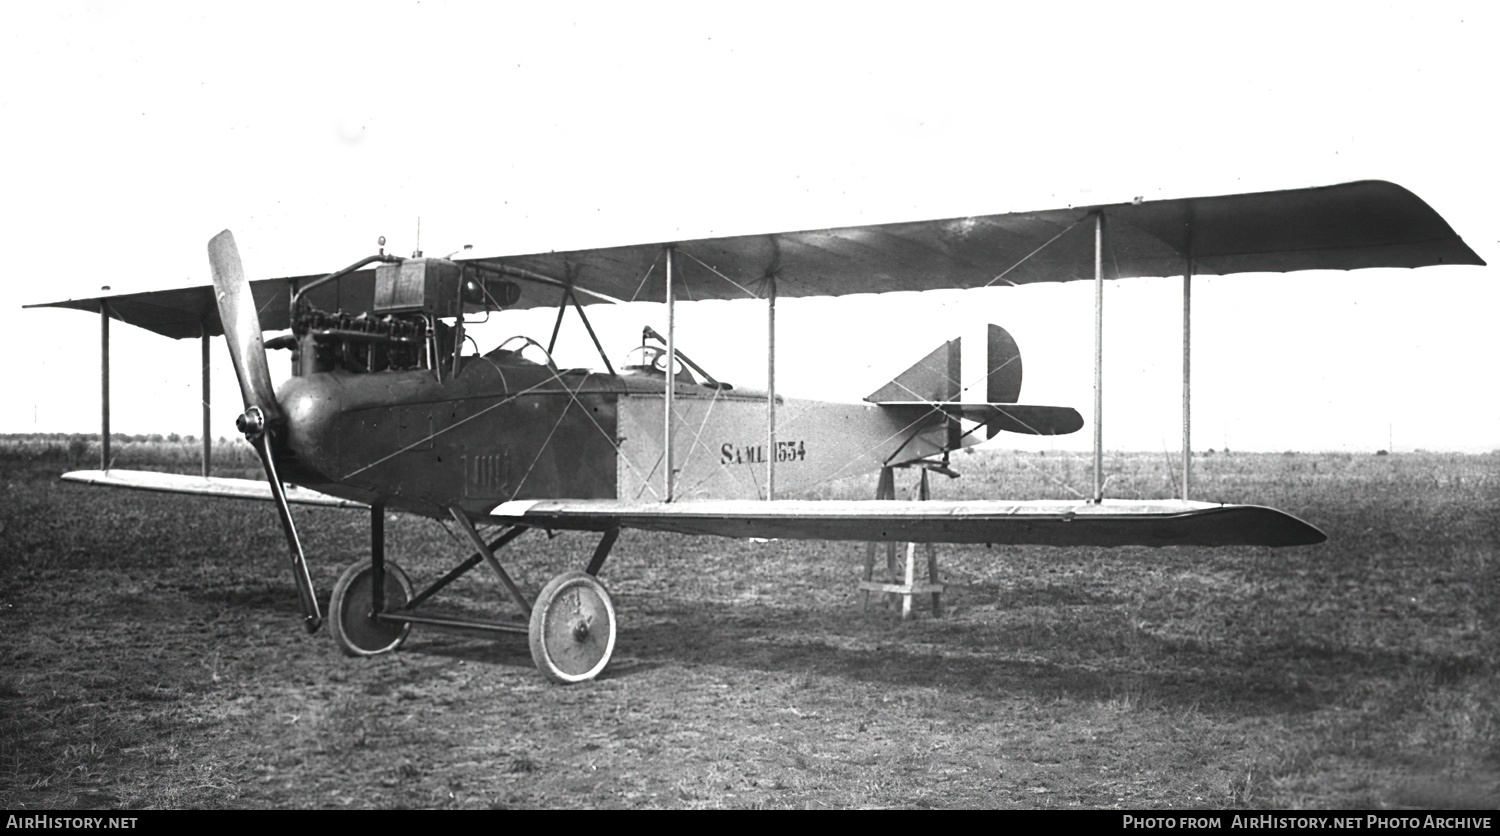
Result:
x=935 y=385
x=939 y=376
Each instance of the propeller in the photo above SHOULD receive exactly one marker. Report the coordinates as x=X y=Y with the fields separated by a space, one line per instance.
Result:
x=263 y=416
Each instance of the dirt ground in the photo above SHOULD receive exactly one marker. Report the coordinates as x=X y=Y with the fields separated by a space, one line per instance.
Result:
x=150 y=657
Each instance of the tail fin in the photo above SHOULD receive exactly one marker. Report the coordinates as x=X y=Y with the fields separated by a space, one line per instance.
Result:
x=935 y=377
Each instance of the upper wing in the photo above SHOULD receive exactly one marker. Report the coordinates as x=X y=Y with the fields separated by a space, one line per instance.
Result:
x=1051 y=523
x=1354 y=225
x=1366 y=224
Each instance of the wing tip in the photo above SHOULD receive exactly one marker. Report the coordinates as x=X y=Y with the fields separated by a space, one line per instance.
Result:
x=1266 y=526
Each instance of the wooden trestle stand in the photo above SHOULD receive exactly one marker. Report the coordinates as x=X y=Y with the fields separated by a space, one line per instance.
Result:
x=908 y=585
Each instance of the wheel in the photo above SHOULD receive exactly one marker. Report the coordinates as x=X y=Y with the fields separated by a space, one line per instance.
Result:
x=572 y=628
x=357 y=633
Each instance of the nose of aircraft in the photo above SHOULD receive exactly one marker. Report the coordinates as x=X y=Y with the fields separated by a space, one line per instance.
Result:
x=310 y=407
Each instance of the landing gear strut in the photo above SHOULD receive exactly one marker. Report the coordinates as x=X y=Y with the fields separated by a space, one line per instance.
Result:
x=571 y=627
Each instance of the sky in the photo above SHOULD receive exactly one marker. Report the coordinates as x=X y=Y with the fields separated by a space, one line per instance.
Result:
x=133 y=132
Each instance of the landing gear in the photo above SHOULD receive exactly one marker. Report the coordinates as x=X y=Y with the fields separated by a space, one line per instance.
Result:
x=355 y=627
x=572 y=628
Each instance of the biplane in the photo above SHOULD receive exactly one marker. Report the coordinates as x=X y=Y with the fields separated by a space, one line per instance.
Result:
x=392 y=406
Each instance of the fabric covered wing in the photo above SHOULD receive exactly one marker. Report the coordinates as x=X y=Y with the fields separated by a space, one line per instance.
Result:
x=1354 y=225
x=1344 y=227
x=188 y=312
x=199 y=486
x=1051 y=523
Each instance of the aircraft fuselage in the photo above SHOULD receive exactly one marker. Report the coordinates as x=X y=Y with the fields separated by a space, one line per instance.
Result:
x=505 y=428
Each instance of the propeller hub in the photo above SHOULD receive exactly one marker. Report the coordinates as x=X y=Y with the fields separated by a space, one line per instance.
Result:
x=252 y=423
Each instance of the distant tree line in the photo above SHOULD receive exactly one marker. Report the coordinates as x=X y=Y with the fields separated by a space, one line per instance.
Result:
x=170 y=438
x=155 y=449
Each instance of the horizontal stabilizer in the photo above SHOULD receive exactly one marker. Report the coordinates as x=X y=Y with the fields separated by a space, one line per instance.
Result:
x=1046 y=522
x=204 y=486
x=1004 y=417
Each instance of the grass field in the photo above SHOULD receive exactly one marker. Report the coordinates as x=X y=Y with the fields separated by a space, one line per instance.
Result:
x=150 y=656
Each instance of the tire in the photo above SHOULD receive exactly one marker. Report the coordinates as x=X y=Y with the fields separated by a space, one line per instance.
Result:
x=572 y=631
x=355 y=631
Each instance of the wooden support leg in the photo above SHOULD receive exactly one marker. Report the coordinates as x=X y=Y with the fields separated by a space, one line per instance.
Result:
x=869 y=575
x=910 y=577
x=892 y=571
x=902 y=581
x=932 y=578
x=932 y=569
x=884 y=489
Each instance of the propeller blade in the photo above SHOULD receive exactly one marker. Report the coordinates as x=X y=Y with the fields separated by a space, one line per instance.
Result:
x=241 y=325
x=263 y=415
x=312 y=617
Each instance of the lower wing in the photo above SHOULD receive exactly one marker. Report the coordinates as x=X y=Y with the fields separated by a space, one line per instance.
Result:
x=204 y=486
x=1047 y=522
x=1043 y=522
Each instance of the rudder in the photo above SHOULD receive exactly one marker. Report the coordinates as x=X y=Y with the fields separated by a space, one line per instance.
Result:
x=1003 y=367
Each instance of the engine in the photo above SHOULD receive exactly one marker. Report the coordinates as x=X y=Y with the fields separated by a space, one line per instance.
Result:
x=415 y=320
x=364 y=342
